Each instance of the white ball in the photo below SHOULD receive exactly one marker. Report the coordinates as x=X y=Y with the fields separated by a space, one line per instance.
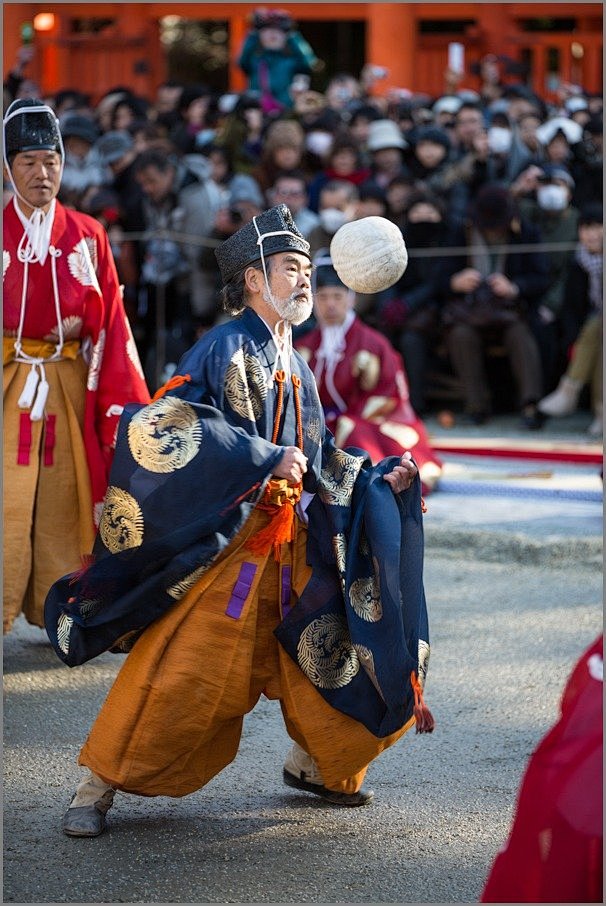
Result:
x=369 y=255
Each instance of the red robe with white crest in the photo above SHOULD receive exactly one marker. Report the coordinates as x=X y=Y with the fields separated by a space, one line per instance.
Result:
x=76 y=433
x=364 y=394
x=92 y=311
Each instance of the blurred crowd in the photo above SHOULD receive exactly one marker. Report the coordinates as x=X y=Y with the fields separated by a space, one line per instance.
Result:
x=497 y=192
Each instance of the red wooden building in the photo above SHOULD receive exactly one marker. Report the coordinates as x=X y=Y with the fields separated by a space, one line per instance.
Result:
x=95 y=46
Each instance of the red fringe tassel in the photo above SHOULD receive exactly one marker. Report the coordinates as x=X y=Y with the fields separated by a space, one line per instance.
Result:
x=86 y=560
x=423 y=716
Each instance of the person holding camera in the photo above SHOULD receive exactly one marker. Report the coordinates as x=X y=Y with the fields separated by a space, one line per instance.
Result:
x=272 y=54
x=490 y=291
x=177 y=208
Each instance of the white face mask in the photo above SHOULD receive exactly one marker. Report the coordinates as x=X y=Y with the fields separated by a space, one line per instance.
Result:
x=499 y=139
x=332 y=219
x=318 y=143
x=552 y=198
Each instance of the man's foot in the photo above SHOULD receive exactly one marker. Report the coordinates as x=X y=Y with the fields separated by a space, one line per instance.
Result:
x=83 y=821
x=564 y=399
x=532 y=417
x=349 y=800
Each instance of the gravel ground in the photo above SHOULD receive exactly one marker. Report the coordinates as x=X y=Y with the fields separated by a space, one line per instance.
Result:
x=505 y=636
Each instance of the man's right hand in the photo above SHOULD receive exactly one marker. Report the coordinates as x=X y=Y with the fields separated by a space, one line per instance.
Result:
x=292 y=466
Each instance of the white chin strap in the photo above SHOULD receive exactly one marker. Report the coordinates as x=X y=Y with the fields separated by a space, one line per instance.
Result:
x=282 y=333
x=261 y=237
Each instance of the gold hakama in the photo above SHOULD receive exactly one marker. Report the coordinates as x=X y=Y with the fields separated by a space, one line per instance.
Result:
x=48 y=523
x=173 y=718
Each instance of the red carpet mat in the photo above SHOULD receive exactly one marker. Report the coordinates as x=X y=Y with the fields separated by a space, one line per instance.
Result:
x=520 y=448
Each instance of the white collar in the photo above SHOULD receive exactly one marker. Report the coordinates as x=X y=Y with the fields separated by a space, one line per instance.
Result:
x=38 y=228
x=333 y=337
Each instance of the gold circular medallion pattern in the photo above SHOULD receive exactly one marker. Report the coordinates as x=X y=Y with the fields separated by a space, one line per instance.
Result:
x=165 y=436
x=121 y=522
x=325 y=653
x=365 y=597
x=338 y=478
x=245 y=385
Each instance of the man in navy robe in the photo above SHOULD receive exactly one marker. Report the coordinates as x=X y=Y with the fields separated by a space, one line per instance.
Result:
x=241 y=553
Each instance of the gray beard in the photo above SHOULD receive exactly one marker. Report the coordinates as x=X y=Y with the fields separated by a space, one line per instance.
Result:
x=293 y=309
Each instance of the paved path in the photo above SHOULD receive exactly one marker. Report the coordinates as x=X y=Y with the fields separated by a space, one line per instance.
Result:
x=504 y=638
x=514 y=588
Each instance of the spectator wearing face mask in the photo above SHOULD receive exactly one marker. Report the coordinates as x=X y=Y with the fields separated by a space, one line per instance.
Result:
x=557 y=221
x=337 y=206
x=509 y=154
x=408 y=312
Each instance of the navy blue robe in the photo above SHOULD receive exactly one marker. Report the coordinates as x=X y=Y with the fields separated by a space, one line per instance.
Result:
x=187 y=471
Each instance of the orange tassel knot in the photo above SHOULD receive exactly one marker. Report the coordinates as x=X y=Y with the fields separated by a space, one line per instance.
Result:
x=278 y=531
x=423 y=716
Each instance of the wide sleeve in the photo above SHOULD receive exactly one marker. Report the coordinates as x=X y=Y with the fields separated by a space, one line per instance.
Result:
x=205 y=374
x=115 y=372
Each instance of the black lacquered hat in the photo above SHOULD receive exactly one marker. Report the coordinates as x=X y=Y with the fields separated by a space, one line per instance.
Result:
x=269 y=233
x=30 y=125
x=324 y=272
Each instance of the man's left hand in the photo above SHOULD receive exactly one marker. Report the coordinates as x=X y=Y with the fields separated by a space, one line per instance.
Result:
x=403 y=475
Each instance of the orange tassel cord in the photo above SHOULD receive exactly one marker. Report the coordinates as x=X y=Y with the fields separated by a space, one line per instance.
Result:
x=175 y=381
x=280 y=497
x=423 y=716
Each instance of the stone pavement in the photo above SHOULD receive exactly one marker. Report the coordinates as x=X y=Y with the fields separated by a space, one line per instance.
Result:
x=514 y=506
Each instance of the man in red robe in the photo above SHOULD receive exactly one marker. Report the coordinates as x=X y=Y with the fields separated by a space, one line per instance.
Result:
x=361 y=379
x=70 y=366
x=554 y=852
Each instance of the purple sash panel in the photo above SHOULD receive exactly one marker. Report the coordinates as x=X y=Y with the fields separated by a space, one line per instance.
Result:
x=241 y=590
x=285 y=597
